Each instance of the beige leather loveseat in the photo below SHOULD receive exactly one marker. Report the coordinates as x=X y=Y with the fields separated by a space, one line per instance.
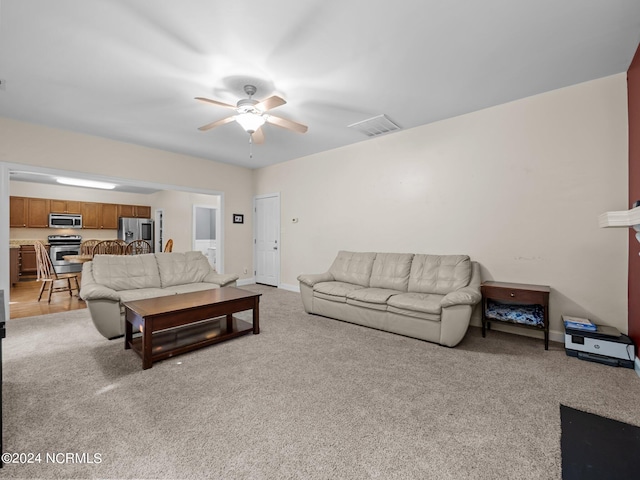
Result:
x=430 y=297
x=110 y=280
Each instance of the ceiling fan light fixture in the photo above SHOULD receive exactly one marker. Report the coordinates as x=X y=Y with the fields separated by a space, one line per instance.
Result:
x=250 y=121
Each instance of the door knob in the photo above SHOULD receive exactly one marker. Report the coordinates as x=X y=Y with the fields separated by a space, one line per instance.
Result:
x=275 y=248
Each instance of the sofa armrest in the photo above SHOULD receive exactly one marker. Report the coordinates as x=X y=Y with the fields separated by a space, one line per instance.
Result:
x=465 y=296
x=220 y=279
x=91 y=290
x=311 y=279
x=95 y=291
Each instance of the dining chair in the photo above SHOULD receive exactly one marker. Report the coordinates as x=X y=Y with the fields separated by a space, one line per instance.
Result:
x=108 y=247
x=168 y=247
x=48 y=276
x=86 y=247
x=138 y=247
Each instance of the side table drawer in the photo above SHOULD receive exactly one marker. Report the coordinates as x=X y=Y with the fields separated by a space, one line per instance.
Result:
x=514 y=295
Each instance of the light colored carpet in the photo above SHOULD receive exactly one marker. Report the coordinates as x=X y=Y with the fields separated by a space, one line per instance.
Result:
x=309 y=398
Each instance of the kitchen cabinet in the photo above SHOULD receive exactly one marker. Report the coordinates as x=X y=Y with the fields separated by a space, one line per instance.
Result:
x=90 y=215
x=28 y=263
x=18 y=211
x=65 y=206
x=143 y=211
x=38 y=213
x=100 y=215
x=135 y=211
x=109 y=216
x=14 y=265
x=28 y=212
x=34 y=212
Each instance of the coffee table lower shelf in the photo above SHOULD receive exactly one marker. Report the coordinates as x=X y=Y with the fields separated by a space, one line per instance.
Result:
x=176 y=341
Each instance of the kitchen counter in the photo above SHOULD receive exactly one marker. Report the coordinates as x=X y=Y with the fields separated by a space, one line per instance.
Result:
x=17 y=243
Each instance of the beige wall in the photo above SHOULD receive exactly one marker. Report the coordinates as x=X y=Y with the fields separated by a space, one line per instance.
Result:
x=518 y=187
x=43 y=147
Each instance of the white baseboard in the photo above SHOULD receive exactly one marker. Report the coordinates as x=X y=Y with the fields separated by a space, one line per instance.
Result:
x=291 y=288
x=636 y=366
x=246 y=281
x=556 y=336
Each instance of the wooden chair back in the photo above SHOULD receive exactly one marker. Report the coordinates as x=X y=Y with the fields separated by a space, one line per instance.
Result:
x=108 y=247
x=168 y=247
x=44 y=267
x=138 y=247
x=86 y=247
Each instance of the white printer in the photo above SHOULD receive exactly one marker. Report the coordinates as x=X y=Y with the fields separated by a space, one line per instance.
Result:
x=605 y=345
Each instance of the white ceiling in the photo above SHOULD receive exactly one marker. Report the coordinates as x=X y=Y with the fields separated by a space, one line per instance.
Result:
x=129 y=70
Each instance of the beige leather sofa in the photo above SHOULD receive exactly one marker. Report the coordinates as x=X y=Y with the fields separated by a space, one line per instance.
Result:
x=430 y=297
x=110 y=280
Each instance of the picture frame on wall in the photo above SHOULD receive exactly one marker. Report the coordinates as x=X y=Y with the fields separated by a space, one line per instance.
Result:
x=238 y=218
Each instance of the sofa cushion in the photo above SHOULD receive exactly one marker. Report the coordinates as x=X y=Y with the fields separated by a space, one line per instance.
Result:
x=140 y=294
x=181 y=268
x=415 y=314
x=334 y=291
x=417 y=302
x=143 y=294
x=374 y=298
x=372 y=306
x=372 y=295
x=439 y=274
x=391 y=270
x=126 y=272
x=353 y=267
x=192 y=287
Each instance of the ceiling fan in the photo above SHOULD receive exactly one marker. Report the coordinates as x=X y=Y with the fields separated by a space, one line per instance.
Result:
x=252 y=114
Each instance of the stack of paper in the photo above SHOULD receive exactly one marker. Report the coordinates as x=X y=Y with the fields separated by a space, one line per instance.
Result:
x=578 y=323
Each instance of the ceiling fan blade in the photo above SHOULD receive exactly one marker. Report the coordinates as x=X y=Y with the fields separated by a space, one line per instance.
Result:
x=215 y=102
x=257 y=136
x=269 y=103
x=217 y=123
x=289 y=124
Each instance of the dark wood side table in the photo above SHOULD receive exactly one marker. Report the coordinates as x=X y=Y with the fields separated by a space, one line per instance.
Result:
x=516 y=294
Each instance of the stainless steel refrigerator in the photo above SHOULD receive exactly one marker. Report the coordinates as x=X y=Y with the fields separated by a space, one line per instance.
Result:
x=130 y=229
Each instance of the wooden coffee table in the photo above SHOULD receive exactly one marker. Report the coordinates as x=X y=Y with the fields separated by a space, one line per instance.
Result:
x=181 y=323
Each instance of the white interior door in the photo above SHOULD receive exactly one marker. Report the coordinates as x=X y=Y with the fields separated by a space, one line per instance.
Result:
x=267 y=239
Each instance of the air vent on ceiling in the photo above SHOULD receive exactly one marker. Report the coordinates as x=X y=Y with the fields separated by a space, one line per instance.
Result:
x=374 y=126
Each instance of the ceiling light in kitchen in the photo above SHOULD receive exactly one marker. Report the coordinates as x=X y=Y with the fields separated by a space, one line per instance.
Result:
x=79 y=182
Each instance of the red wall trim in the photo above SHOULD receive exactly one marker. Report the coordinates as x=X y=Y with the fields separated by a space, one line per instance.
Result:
x=633 y=92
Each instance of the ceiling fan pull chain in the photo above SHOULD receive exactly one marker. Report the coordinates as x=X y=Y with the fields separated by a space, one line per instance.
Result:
x=250 y=146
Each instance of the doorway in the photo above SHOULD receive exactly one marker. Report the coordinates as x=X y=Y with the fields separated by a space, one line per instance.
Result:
x=206 y=225
x=171 y=199
x=267 y=239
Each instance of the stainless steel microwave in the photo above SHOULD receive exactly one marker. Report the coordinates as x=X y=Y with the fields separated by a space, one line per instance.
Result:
x=65 y=220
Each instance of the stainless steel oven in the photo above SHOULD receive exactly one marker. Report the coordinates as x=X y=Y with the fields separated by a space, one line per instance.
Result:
x=61 y=245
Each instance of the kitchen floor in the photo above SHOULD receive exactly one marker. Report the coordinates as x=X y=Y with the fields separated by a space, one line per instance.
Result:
x=23 y=300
